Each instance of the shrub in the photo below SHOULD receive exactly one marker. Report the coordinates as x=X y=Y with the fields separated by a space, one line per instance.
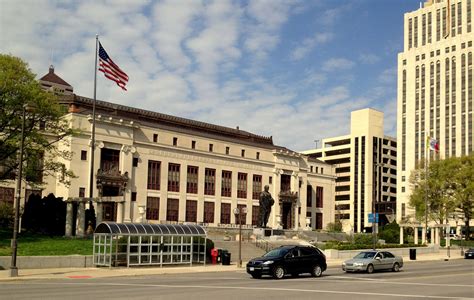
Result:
x=7 y=215
x=334 y=227
x=46 y=216
x=363 y=238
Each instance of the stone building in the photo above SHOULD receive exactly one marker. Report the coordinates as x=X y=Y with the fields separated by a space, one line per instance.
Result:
x=156 y=168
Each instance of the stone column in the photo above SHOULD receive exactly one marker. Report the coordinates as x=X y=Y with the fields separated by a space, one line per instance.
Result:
x=432 y=236
x=437 y=235
x=401 y=235
x=295 y=188
x=423 y=235
x=275 y=188
x=415 y=238
x=81 y=220
x=69 y=220
x=120 y=211
x=98 y=212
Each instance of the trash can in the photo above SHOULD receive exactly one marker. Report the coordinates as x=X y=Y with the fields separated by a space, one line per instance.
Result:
x=412 y=254
x=225 y=257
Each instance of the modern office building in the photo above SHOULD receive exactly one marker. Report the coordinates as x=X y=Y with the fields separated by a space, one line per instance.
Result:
x=365 y=165
x=158 y=168
x=434 y=88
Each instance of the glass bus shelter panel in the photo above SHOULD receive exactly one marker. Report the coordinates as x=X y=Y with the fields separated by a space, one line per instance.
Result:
x=102 y=250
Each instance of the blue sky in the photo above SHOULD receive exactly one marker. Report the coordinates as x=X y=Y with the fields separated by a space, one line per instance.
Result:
x=290 y=69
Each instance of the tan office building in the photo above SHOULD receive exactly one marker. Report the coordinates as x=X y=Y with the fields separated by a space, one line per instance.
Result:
x=365 y=166
x=434 y=88
x=154 y=167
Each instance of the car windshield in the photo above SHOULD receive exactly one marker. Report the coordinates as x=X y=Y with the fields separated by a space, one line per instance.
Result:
x=365 y=255
x=276 y=252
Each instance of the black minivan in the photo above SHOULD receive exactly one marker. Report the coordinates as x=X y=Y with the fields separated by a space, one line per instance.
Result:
x=293 y=260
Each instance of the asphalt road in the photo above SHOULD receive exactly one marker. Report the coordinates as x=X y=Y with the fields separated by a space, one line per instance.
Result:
x=417 y=280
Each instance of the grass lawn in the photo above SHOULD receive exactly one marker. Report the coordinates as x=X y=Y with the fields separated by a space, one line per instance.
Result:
x=34 y=245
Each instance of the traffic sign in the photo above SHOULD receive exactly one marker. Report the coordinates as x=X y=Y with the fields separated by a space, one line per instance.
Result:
x=371 y=218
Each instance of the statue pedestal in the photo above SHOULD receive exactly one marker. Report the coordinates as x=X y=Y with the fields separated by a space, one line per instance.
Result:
x=262 y=232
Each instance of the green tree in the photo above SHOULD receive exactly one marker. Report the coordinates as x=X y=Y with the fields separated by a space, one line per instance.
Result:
x=44 y=125
x=431 y=193
x=447 y=189
x=461 y=184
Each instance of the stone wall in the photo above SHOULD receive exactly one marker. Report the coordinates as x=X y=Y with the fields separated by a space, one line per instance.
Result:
x=45 y=262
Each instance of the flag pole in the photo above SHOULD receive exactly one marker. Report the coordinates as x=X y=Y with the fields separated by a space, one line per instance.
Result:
x=91 y=179
x=426 y=190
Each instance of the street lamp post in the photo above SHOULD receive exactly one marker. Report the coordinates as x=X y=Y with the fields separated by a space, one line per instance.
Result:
x=238 y=212
x=16 y=225
x=374 y=197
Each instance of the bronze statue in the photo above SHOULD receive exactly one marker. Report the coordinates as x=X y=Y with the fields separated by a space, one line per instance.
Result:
x=266 y=202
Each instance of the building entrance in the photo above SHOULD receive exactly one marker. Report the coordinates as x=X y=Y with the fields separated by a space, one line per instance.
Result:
x=286 y=214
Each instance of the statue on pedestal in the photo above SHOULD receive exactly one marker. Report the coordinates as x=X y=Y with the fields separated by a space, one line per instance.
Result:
x=266 y=202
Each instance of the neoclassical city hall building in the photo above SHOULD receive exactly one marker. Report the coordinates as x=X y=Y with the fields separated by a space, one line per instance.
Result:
x=156 y=168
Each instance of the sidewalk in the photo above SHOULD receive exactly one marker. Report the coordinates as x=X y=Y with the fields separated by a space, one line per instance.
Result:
x=86 y=273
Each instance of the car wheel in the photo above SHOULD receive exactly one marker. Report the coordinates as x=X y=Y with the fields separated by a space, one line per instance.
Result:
x=257 y=276
x=316 y=271
x=278 y=272
x=396 y=267
x=370 y=269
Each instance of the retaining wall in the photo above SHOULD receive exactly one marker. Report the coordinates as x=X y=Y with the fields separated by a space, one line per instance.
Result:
x=347 y=254
x=45 y=262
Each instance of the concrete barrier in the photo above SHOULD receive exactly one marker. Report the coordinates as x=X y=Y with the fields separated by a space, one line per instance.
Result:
x=45 y=262
x=347 y=254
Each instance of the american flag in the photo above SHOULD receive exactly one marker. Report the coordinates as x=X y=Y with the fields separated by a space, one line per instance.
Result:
x=110 y=69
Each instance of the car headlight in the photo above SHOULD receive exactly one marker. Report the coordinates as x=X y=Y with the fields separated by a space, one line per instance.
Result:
x=358 y=264
x=344 y=263
x=268 y=262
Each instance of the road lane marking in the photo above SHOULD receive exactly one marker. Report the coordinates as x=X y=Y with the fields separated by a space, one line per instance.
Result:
x=251 y=288
x=387 y=282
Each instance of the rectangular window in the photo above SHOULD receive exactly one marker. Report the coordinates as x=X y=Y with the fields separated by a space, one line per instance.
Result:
x=255 y=210
x=152 y=208
x=135 y=162
x=445 y=24
x=209 y=182
x=82 y=192
x=410 y=33
x=241 y=217
x=438 y=25
x=242 y=153
x=429 y=27
x=175 y=141
x=134 y=197
x=226 y=190
x=319 y=221
x=83 y=155
x=192 y=182
x=270 y=179
x=154 y=170
x=155 y=138
x=208 y=212
x=225 y=213
x=256 y=186
x=227 y=150
x=309 y=196
x=7 y=195
x=191 y=211
x=172 y=210
x=459 y=18
x=319 y=197
x=468 y=16
x=173 y=177
x=193 y=144
x=211 y=147
x=241 y=185
x=423 y=29
x=453 y=20
x=258 y=155
x=415 y=33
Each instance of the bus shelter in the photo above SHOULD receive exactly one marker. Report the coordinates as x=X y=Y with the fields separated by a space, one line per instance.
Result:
x=137 y=244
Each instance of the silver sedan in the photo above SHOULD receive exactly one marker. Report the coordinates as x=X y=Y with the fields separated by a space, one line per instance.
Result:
x=373 y=260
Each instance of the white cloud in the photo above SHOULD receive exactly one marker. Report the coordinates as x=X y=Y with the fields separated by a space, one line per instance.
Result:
x=369 y=58
x=337 y=64
x=308 y=44
x=388 y=76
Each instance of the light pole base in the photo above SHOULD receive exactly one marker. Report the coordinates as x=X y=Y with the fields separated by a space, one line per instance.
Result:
x=13 y=272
